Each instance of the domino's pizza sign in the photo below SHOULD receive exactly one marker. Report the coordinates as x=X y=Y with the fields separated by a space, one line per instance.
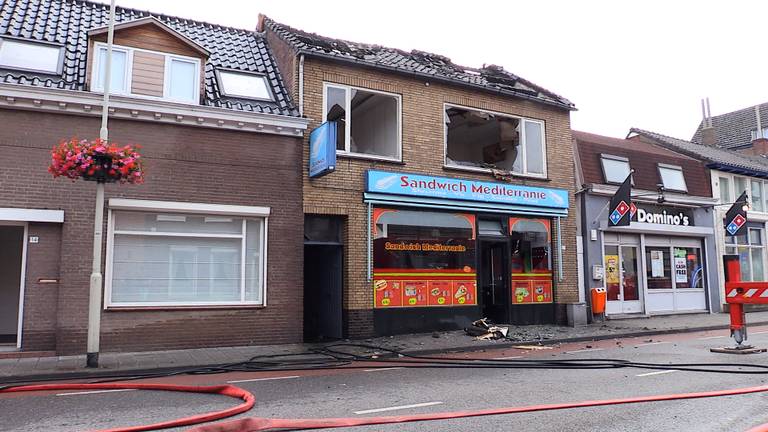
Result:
x=621 y=209
x=735 y=224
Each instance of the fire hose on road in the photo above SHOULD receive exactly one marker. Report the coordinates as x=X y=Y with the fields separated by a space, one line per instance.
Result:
x=257 y=424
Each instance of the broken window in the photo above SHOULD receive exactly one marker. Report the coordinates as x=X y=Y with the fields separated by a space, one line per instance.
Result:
x=479 y=139
x=368 y=121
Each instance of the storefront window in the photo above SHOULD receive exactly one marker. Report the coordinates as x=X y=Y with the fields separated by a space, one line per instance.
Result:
x=629 y=273
x=423 y=259
x=749 y=247
x=689 y=271
x=658 y=268
x=531 y=260
x=612 y=284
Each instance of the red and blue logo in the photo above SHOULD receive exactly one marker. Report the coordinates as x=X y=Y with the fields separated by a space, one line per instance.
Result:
x=735 y=224
x=619 y=212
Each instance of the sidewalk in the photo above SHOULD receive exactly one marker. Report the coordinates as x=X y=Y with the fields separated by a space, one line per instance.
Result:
x=20 y=369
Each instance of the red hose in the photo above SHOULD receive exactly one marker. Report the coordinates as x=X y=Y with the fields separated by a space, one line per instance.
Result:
x=225 y=390
x=254 y=424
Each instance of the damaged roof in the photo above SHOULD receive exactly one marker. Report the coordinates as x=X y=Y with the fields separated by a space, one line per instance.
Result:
x=734 y=129
x=717 y=158
x=67 y=23
x=433 y=66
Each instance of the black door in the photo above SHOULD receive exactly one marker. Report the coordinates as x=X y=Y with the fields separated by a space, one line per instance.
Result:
x=494 y=280
x=322 y=292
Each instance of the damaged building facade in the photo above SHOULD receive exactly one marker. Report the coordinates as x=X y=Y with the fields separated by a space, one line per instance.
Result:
x=449 y=194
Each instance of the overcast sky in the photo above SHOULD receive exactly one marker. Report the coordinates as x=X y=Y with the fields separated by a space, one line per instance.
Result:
x=624 y=64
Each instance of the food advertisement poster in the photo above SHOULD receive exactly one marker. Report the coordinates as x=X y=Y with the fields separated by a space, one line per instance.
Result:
x=611 y=269
x=531 y=291
x=420 y=293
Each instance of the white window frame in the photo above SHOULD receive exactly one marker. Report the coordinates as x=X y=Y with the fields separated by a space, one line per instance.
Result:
x=762 y=247
x=147 y=206
x=59 y=66
x=167 y=78
x=617 y=159
x=661 y=166
x=220 y=82
x=523 y=145
x=348 y=120
x=129 y=73
x=734 y=194
x=96 y=70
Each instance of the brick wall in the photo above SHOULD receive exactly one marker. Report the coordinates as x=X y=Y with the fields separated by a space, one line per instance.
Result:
x=341 y=192
x=183 y=164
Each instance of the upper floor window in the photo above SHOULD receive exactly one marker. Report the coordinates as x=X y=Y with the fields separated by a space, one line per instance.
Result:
x=615 y=168
x=146 y=73
x=672 y=177
x=732 y=187
x=31 y=56
x=368 y=121
x=244 y=85
x=482 y=140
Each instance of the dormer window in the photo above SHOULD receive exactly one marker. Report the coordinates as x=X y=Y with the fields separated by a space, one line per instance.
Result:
x=672 y=177
x=244 y=85
x=615 y=168
x=144 y=73
x=31 y=56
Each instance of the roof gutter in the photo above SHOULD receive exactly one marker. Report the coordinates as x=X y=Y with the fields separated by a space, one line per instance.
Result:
x=310 y=53
x=737 y=170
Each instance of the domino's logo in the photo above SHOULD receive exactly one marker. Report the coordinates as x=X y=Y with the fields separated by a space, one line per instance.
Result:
x=619 y=212
x=735 y=224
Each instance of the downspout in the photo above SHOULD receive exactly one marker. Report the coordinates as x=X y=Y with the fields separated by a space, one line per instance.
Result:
x=301 y=85
x=368 y=246
x=559 y=251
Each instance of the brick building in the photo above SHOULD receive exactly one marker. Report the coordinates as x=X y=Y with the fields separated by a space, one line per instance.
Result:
x=665 y=261
x=450 y=192
x=207 y=251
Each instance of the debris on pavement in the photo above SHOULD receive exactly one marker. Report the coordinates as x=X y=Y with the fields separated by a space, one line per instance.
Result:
x=483 y=329
x=532 y=347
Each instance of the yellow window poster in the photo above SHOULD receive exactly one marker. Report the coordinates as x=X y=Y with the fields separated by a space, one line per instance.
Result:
x=611 y=269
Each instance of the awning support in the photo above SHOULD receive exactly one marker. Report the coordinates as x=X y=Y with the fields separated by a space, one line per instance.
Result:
x=369 y=248
x=559 y=251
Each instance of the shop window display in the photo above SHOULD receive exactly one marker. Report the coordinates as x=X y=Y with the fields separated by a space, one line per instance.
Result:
x=423 y=259
x=531 y=261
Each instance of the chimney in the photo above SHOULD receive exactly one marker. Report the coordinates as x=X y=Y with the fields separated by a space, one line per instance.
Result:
x=760 y=143
x=260 y=23
x=708 y=136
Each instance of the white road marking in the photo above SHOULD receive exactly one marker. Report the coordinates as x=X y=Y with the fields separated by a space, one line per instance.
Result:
x=584 y=350
x=711 y=337
x=760 y=332
x=94 y=392
x=507 y=358
x=657 y=373
x=394 y=408
x=263 y=379
x=652 y=343
x=382 y=369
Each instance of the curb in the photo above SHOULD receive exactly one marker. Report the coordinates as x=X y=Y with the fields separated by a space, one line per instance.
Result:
x=126 y=373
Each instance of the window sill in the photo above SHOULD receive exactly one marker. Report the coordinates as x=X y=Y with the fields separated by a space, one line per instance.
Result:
x=488 y=171
x=134 y=308
x=370 y=158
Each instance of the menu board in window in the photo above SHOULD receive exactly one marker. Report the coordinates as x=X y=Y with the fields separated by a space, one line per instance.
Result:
x=531 y=265
x=423 y=259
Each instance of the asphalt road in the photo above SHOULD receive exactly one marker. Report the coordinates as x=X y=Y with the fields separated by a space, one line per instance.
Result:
x=379 y=392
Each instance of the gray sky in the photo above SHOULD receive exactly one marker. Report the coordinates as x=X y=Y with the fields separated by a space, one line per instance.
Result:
x=642 y=63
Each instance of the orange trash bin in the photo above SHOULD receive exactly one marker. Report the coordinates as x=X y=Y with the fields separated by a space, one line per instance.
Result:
x=598 y=300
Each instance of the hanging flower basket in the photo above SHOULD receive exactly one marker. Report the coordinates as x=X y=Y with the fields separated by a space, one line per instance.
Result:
x=97 y=161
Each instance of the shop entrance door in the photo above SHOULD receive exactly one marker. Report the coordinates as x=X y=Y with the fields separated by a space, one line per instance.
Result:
x=494 y=280
x=323 y=278
x=621 y=280
x=11 y=270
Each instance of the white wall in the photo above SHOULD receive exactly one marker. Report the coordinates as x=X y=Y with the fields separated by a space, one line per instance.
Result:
x=11 y=238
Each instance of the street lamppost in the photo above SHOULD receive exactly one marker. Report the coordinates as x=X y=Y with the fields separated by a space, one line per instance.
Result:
x=94 y=296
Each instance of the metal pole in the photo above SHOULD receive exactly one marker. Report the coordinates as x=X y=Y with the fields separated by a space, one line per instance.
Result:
x=368 y=245
x=94 y=297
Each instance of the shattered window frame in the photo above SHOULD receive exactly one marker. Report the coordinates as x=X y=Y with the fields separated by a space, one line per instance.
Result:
x=523 y=122
x=348 y=121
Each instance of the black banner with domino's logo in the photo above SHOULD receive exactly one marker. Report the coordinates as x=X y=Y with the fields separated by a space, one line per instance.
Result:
x=736 y=218
x=621 y=208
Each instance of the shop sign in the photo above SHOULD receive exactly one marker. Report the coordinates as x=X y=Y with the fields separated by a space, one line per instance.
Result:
x=322 y=150
x=663 y=216
x=470 y=190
